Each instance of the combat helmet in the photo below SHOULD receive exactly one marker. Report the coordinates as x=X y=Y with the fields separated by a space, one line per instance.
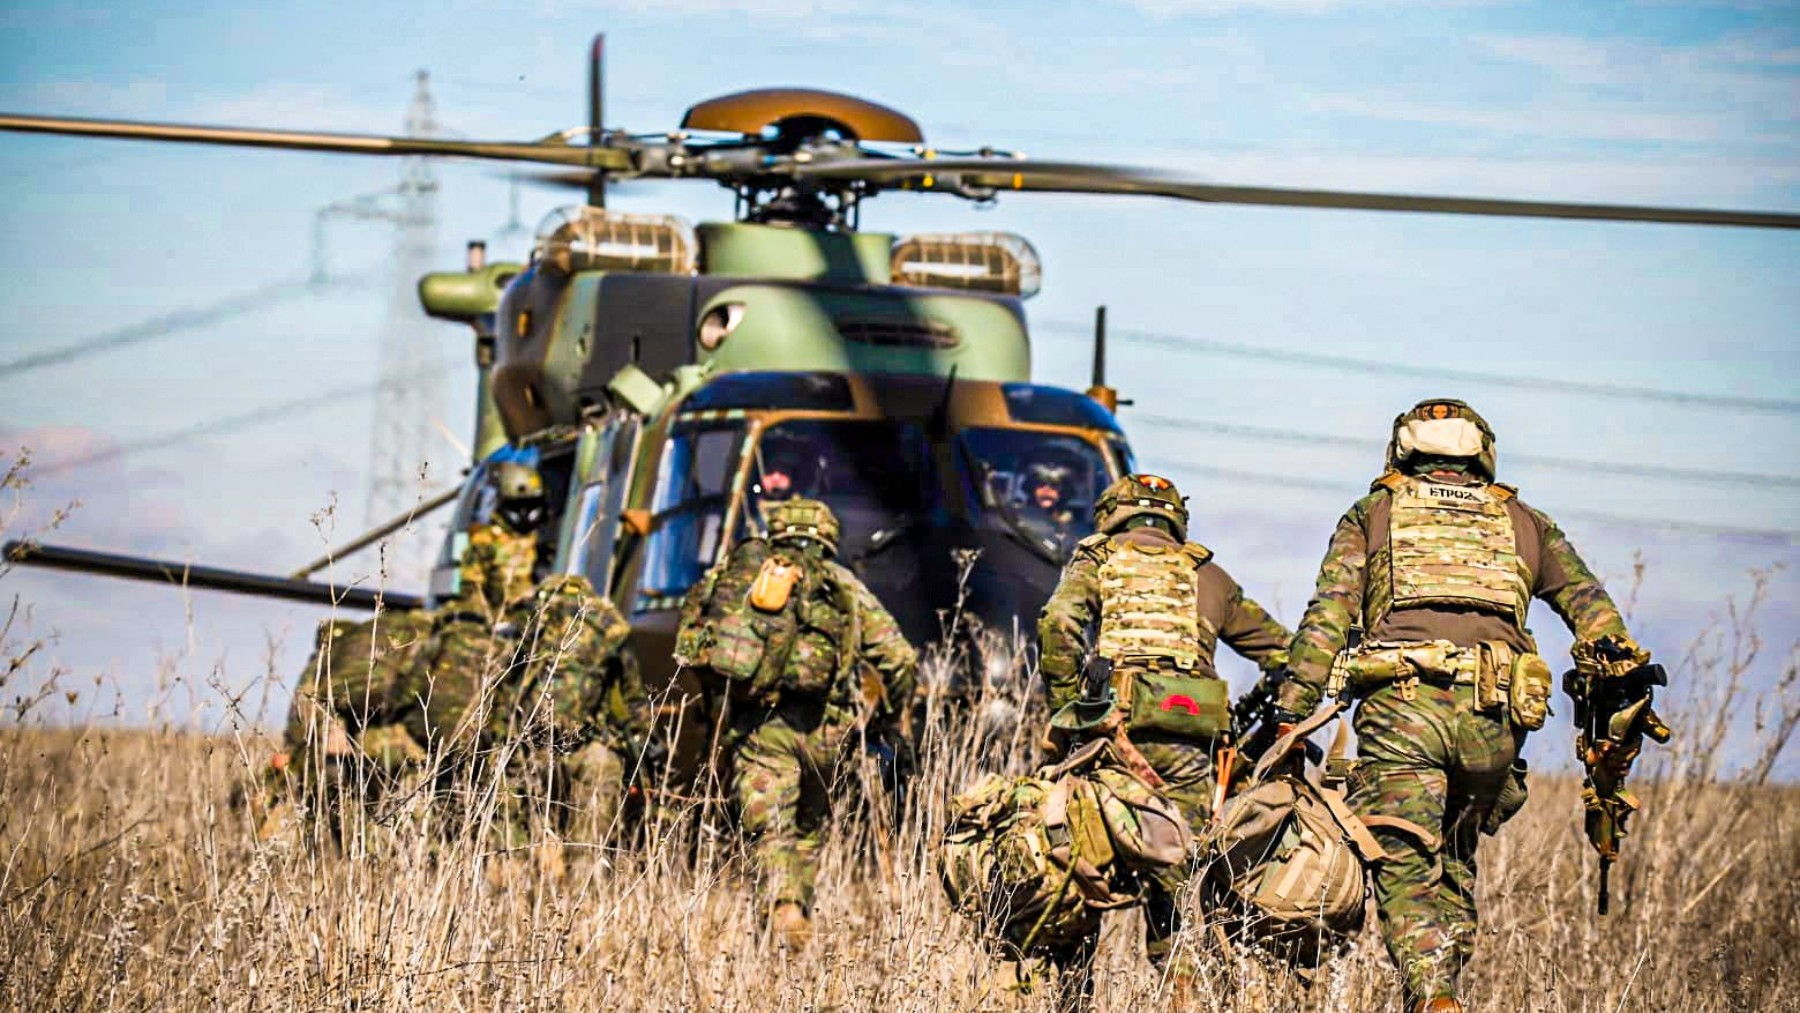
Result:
x=519 y=495
x=1139 y=494
x=1442 y=427
x=800 y=520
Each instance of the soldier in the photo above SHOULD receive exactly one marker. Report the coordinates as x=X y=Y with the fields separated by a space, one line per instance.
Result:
x=809 y=657
x=1154 y=606
x=1047 y=509
x=1436 y=568
x=500 y=556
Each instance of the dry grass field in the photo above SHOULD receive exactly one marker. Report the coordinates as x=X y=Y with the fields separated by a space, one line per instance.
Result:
x=129 y=882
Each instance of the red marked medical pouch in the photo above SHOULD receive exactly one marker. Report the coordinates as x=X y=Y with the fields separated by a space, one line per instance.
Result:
x=1175 y=703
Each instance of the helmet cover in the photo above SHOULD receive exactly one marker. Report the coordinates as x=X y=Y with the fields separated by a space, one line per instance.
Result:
x=1137 y=495
x=799 y=519
x=1442 y=427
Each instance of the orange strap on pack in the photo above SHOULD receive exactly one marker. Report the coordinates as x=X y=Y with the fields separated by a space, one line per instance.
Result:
x=1227 y=758
x=774 y=584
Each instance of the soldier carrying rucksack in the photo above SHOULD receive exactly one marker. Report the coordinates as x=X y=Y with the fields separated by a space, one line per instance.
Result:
x=808 y=658
x=1152 y=606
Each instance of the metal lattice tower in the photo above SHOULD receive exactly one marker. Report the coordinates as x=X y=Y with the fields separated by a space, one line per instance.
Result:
x=409 y=398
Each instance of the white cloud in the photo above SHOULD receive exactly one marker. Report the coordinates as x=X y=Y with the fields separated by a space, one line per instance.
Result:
x=1208 y=8
x=1540 y=120
x=1748 y=73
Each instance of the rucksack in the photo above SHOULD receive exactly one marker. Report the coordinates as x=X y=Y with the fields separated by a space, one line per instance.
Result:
x=1286 y=856
x=364 y=671
x=769 y=620
x=1036 y=860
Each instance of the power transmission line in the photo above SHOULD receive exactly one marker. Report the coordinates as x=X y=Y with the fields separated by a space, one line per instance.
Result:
x=1382 y=367
x=1621 y=468
x=233 y=423
x=1349 y=490
x=185 y=319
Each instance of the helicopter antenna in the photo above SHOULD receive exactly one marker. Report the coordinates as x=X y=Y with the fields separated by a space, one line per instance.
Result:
x=1107 y=396
x=596 y=195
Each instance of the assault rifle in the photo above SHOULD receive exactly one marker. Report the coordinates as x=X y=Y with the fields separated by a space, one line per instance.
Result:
x=1613 y=714
x=1255 y=720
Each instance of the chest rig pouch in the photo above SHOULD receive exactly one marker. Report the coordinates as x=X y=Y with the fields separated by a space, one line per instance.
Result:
x=1150 y=630
x=1448 y=545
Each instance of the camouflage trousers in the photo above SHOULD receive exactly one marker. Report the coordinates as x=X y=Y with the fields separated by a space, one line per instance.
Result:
x=786 y=770
x=1186 y=768
x=1435 y=762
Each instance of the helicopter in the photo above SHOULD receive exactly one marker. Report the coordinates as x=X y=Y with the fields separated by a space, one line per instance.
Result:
x=668 y=379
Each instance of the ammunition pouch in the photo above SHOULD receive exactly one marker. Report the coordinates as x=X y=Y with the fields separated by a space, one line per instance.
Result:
x=1529 y=697
x=1504 y=679
x=1165 y=700
x=735 y=648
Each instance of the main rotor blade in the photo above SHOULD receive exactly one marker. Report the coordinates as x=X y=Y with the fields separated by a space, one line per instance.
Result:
x=550 y=153
x=960 y=175
x=378 y=532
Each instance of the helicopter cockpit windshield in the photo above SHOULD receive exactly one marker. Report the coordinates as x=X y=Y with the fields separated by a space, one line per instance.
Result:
x=693 y=497
x=1043 y=484
x=874 y=474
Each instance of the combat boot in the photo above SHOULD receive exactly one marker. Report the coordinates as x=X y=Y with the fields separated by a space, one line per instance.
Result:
x=1442 y=1004
x=793 y=930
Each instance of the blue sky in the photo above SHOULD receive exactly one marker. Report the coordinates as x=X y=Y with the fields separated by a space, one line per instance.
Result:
x=1653 y=102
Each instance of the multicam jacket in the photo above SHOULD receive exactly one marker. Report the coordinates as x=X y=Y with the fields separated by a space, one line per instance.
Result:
x=1198 y=616
x=1406 y=567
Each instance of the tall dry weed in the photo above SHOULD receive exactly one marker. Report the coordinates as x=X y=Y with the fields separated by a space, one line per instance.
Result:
x=128 y=881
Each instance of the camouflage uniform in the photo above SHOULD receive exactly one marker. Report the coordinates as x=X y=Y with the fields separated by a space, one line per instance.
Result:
x=1436 y=553
x=496 y=566
x=834 y=660
x=547 y=695
x=1156 y=602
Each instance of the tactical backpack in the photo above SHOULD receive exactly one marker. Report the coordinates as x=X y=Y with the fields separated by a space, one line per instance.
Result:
x=768 y=620
x=1036 y=860
x=1286 y=856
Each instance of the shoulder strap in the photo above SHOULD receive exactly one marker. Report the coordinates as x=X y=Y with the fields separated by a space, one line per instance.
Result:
x=1200 y=554
x=1405 y=826
x=1389 y=480
x=1503 y=492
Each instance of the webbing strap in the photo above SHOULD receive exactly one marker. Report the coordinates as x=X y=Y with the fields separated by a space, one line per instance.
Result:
x=1355 y=827
x=1405 y=826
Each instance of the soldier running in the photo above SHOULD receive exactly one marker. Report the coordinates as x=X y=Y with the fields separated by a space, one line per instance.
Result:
x=1436 y=568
